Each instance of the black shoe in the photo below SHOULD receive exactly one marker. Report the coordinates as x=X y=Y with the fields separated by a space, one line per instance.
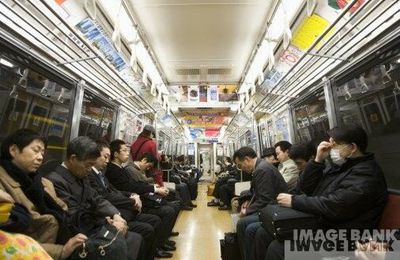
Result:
x=224 y=207
x=174 y=234
x=167 y=247
x=193 y=205
x=212 y=204
x=186 y=208
x=162 y=254
x=170 y=242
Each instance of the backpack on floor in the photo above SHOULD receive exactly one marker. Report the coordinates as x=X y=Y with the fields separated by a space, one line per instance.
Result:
x=230 y=247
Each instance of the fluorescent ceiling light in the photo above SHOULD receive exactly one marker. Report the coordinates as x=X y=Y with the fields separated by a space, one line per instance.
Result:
x=6 y=63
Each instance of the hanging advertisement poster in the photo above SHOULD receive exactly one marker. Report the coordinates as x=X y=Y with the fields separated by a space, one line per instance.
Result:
x=196 y=132
x=213 y=93
x=204 y=117
x=341 y=4
x=180 y=92
x=281 y=129
x=190 y=149
x=193 y=94
x=203 y=93
x=139 y=126
x=309 y=30
x=95 y=34
x=204 y=121
x=227 y=93
x=211 y=132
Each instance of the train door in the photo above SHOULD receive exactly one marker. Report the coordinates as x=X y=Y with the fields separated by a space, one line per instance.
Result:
x=206 y=152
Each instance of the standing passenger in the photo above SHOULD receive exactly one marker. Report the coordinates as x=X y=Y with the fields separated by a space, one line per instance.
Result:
x=146 y=144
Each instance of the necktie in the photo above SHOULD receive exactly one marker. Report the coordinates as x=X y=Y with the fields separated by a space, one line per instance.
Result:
x=102 y=178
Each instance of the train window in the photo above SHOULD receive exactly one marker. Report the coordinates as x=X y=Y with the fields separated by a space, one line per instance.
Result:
x=372 y=100
x=311 y=119
x=281 y=127
x=96 y=118
x=31 y=100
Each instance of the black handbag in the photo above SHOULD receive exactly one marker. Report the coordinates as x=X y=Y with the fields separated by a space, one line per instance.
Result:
x=106 y=243
x=281 y=221
x=230 y=247
x=152 y=200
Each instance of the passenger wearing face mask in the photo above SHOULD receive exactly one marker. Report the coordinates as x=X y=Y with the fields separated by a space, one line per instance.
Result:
x=350 y=194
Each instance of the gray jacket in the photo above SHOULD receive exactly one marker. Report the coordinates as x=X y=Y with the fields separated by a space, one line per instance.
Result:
x=137 y=174
x=266 y=184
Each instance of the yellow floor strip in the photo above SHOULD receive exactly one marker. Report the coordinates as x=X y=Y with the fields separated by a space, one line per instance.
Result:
x=200 y=230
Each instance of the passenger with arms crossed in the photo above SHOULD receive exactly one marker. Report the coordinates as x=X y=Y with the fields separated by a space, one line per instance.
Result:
x=349 y=194
x=88 y=212
x=266 y=184
x=21 y=155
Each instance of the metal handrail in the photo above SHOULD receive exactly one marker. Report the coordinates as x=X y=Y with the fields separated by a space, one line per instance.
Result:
x=76 y=66
x=299 y=90
x=348 y=7
x=92 y=49
x=309 y=67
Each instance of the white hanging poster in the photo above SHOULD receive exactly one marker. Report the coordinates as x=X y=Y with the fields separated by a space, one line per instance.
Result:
x=193 y=94
x=213 y=93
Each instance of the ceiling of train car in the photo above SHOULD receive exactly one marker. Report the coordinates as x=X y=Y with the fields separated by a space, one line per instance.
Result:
x=201 y=40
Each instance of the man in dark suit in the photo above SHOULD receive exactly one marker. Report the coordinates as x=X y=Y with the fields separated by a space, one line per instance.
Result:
x=128 y=204
x=266 y=184
x=138 y=168
x=87 y=210
x=121 y=180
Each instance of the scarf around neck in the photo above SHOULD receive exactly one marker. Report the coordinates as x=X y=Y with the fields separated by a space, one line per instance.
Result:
x=32 y=187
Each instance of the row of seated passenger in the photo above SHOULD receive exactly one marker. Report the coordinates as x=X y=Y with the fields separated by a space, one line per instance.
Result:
x=69 y=204
x=288 y=162
x=342 y=185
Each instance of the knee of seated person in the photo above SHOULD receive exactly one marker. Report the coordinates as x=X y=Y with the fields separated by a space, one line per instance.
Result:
x=167 y=210
x=241 y=223
x=156 y=221
x=133 y=237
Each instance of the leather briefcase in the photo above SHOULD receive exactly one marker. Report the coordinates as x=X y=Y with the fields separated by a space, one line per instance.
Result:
x=281 y=221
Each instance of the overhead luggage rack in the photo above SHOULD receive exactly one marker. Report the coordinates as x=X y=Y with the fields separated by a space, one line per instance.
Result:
x=33 y=22
x=311 y=68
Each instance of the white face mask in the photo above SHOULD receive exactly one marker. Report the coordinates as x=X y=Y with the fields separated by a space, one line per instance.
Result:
x=336 y=158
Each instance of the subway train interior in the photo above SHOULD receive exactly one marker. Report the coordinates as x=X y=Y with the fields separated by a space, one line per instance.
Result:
x=200 y=129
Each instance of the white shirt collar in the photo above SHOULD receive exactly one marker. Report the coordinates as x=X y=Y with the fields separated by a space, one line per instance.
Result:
x=95 y=170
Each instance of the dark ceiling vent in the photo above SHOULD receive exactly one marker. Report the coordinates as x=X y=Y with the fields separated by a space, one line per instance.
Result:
x=183 y=72
x=220 y=71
